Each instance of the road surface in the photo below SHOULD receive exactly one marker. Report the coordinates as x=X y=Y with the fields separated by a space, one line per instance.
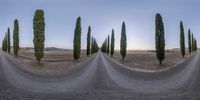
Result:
x=100 y=78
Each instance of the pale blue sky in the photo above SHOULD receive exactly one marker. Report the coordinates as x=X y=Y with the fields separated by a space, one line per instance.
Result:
x=102 y=15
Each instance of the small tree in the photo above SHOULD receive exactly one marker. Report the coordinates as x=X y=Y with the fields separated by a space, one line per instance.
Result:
x=88 y=41
x=189 y=42
x=123 y=43
x=108 y=45
x=112 y=43
x=159 y=38
x=39 y=34
x=8 y=40
x=77 y=39
x=16 y=37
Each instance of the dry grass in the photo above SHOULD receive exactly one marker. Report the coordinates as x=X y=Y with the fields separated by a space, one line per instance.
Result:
x=148 y=60
x=50 y=54
x=48 y=67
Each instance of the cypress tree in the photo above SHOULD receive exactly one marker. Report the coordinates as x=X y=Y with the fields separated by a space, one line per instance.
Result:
x=95 y=46
x=39 y=34
x=2 y=46
x=92 y=45
x=182 y=39
x=4 y=43
x=77 y=39
x=88 y=41
x=123 y=43
x=195 y=44
x=103 y=47
x=108 y=45
x=112 y=43
x=189 y=42
x=192 y=43
x=16 y=37
x=8 y=41
x=159 y=38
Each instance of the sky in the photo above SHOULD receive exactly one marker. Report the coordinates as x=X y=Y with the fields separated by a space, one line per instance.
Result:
x=102 y=16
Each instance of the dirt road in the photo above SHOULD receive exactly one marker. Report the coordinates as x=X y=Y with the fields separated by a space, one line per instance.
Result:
x=100 y=78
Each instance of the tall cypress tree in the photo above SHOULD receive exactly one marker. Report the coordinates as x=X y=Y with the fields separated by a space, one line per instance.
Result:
x=112 y=43
x=6 y=42
x=77 y=39
x=108 y=45
x=8 y=37
x=39 y=34
x=159 y=38
x=103 y=47
x=123 y=42
x=2 y=46
x=195 y=44
x=16 y=37
x=189 y=42
x=192 y=43
x=182 y=39
x=88 y=41
x=92 y=45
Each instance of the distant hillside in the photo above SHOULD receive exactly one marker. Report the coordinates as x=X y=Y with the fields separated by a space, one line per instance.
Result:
x=56 y=49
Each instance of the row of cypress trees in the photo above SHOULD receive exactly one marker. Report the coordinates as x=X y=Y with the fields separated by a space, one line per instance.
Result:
x=6 y=45
x=39 y=38
x=160 y=40
x=92 y=46
x=109 y=48
x=109 y=44
x=6 y=42
x=192 y=43
x=104 y=46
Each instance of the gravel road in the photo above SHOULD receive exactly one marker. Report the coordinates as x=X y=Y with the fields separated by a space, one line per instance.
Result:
x=101 y=78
